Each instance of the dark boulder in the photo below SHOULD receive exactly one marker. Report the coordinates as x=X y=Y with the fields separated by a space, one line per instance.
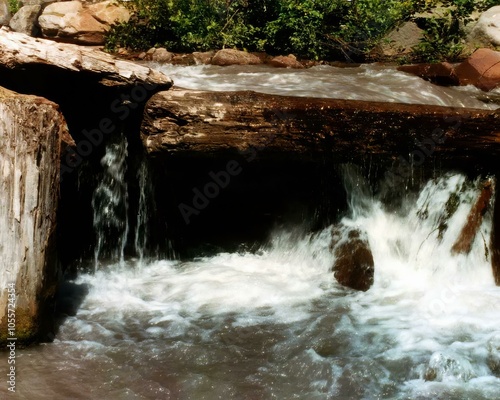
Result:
x=353 y=266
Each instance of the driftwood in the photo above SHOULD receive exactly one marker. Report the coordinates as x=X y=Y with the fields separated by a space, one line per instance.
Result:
x=495 y=238
x=17 y=51
x=187 y=121
x=463 y=244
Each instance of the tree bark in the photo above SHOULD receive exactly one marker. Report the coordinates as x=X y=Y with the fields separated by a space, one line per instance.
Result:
x=31 y=130
x=191 y=122
x=18 y=50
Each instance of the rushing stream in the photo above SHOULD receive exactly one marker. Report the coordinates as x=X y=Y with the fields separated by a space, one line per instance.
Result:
x=368 y=82
x=273 y=323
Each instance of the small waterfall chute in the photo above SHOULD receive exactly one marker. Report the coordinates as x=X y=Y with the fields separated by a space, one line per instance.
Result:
x=110 y=203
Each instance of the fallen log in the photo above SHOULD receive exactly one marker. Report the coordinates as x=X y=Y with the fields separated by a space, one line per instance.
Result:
x=197 y=122
x=17 y=51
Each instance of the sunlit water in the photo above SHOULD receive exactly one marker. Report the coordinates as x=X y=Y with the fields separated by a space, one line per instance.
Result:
x=275 y=325
x=368 y=82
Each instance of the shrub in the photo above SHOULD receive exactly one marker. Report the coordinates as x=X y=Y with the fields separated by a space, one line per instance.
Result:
x=315 y=29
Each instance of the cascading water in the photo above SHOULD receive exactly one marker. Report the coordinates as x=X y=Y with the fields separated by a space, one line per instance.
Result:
x=144 y=211
x=110 y=203
x=275 y=325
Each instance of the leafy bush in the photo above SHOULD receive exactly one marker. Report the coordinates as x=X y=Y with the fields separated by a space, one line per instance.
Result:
x=189 y=25
x=444 y=36
x=301 y=27
x=315 y=29
x=14 y=6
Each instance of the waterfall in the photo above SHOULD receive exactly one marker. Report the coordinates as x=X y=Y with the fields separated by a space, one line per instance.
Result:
x=276 y=319
x=145 y=209
x=110 y=203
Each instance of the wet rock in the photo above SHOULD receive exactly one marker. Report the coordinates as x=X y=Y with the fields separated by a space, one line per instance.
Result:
x=5 y=14
x=449 y=367
x=31 y=129
x=203 y=57
x=25 y=20
x=494 y=355
x=73 y=22
x=463 y=244
x=481 y=69
x=486 y=32
x=161 y=55
x=440 y=73
x=353 y=266
x=235 y=57
x=183 y=59
x=289 y=61
x=400 y=41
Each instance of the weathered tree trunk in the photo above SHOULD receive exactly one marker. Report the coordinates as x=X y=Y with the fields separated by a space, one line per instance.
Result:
x=186 y=121
x=31 y=130
x=17 y=51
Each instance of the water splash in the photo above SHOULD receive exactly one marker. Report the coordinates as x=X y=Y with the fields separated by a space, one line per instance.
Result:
x=276 y=324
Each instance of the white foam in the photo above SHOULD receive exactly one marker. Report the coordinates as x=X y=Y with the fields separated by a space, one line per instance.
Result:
x=367 y=82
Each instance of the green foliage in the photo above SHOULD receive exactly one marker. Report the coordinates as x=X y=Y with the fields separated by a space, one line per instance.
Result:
x=150 y=24
x=301 y=26
x=189 y=25
x=444 y=35
x=366 y=22
x=14 y=6
x=314 y=29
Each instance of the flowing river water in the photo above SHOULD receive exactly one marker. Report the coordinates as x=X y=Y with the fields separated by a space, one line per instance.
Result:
x=273 y=323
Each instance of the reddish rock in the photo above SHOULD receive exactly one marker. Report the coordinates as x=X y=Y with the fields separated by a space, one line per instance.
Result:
x=441 y=73
x=183 y=59
x=235 y=57
x=353 y=266
x=289 y=61
x=481 y=69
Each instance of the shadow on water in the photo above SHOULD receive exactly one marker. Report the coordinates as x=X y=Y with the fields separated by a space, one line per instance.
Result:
x=69 y=299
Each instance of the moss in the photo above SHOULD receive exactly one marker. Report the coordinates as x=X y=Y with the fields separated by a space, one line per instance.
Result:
x=26 y=329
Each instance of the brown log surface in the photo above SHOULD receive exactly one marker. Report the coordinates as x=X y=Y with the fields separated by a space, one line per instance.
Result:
x=18 y=50
x=192 y=121
x=463 y=244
